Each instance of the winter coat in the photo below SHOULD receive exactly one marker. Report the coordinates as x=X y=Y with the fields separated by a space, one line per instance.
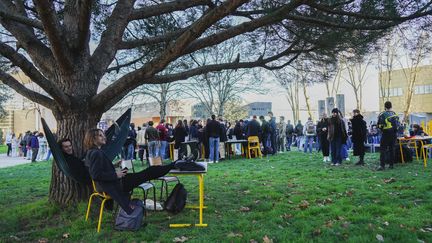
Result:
x=359 y=129
x=322 y=124
x=180 y=134
x=337 y=129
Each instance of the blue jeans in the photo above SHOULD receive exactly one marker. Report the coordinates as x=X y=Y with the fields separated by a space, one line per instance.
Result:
x=214 y=149
x=308 y=143
x=299 y=141
x=289 y=142
x=130 y=152
x=48 y=154
x=153 y=149
x=336 y=147
x=163 y=148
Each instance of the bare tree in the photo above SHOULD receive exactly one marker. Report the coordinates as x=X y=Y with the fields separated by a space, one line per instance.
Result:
x=50 y=42
x=415 y=57
x=163 y=94
x=290 y=81
x=214 y=90
x=234 y=110
x=356 y=67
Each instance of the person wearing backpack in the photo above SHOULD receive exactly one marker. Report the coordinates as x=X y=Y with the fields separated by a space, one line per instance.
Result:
x=309 y=132
x=299 y=134
x=388 y=123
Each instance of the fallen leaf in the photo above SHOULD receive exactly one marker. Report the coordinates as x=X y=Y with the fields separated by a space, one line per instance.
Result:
x=253 y=241
x=345 y=224
x=267 y=240
x=402 y=226
x=328 y=200
x=246 y=192
x=349 y=193
x=340 y=218
x=386 y=223
x=244 y=209
x=316 y=232
x=257 y=201
x=304 y=204
x=280 y=227
x=290 y=202
x=43 y=240
x=379 y=237
x=232 y=234
x=329 y=224
x=13 y=237
x=180 y=239
x=66 y=235
x=390 y=180
x=287 y=216
x=420 y=241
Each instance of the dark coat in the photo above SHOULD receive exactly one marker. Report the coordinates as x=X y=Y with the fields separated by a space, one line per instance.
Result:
x=323 y=123
x=223 y=136
x=337 y=129
x=359 y=134
x=102 y=171
x=238 y=131
x=253 y=128
x=213 y=129
x=180 y=134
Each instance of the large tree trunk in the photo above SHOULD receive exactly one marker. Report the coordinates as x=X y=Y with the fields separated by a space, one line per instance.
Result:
x=64 y=190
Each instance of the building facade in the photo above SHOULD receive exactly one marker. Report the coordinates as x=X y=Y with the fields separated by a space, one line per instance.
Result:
x=258 y=108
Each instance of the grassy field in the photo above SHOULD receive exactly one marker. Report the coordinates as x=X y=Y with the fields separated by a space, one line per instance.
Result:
x=291 y=198
x=3 y=149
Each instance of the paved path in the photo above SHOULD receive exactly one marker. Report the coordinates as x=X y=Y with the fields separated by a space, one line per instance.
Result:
x=11 y=161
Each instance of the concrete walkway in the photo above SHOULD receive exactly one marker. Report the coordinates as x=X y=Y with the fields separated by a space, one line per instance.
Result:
x=6 y=161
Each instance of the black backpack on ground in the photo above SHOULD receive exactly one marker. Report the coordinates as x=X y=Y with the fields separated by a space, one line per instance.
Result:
x=176 y=200
x=133 y=221
x=407 y=153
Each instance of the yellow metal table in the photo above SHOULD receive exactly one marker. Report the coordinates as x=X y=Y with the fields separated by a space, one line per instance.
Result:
x=200 y=206
x=414 y=140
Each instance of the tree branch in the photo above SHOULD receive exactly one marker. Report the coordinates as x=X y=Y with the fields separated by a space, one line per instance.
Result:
x=28 y=68
x=111 y=37
x=21 y=19
x=171 y=53
x=54 y=32
x=21 y=89
x=77 y=15
x=151 y=40
x=163 y=8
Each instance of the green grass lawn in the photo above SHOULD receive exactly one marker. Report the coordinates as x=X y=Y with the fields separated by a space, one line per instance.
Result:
x=292 y=198
x=3 y=149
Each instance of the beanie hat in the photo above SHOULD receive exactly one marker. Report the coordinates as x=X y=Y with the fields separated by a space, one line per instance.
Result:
x=335 y=110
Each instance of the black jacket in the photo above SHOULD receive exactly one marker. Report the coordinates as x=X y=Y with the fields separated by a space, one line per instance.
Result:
x=359 y=129
x=253 y=129
x=180 y=134
x=323 y=123
x=223 y=136
x=238 y=131
x=213 y=129
x=102 y=171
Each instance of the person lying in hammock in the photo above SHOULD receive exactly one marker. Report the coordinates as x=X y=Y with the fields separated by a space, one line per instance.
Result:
x=117 y=184
x=75 y=164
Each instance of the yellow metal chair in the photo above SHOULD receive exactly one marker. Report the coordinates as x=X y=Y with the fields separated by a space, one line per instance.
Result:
x=253 y=145
x=425 y=149
x=104 y=198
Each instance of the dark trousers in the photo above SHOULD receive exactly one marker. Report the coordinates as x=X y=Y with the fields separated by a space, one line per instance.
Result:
x=336 y=146
x=387 y=148
x=289 y=142
x=141 y=149
x=273 y=142
x=9 y=148
x=325 y=146
x=34 y=154
x=132 y=180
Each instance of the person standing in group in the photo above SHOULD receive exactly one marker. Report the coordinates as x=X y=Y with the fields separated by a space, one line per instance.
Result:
x=322 y=133
x=180 y=135
x=29 y=149
x=141 y=142
x=239 y=135
x=299 y=134
x=152 y=140
x=309 y=132
x=273 y=135
x=388 y=123
x=20 y=145
x=213 y=132
x=163 y=138
x=289 y=132
x=281 y=134
x=223 y=138
x=130 y=143
x=337 y=135
x=265 y=136
x=253 y=128
x=9 y=143
x=43 y=145
x=15 y=145
x=34 y=146
x=359 y=135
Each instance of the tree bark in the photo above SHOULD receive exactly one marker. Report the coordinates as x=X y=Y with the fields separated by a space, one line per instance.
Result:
x=64 y=190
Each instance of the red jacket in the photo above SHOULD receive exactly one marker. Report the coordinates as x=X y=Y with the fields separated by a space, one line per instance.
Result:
x=163 y=132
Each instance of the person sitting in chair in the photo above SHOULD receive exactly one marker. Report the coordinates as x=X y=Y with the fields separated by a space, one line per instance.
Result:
x=118 y=184
x=75 y=164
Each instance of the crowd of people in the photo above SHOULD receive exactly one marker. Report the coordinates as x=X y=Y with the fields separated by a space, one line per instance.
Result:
x=32 y=146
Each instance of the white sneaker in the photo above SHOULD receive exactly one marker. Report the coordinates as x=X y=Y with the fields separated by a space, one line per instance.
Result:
x=216 y=161
x=347 y=159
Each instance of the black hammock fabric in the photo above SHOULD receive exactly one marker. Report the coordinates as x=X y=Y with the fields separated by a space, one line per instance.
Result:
x=116 y=137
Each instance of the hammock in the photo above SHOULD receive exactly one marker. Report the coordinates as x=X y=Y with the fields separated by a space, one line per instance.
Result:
x=116 y=137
